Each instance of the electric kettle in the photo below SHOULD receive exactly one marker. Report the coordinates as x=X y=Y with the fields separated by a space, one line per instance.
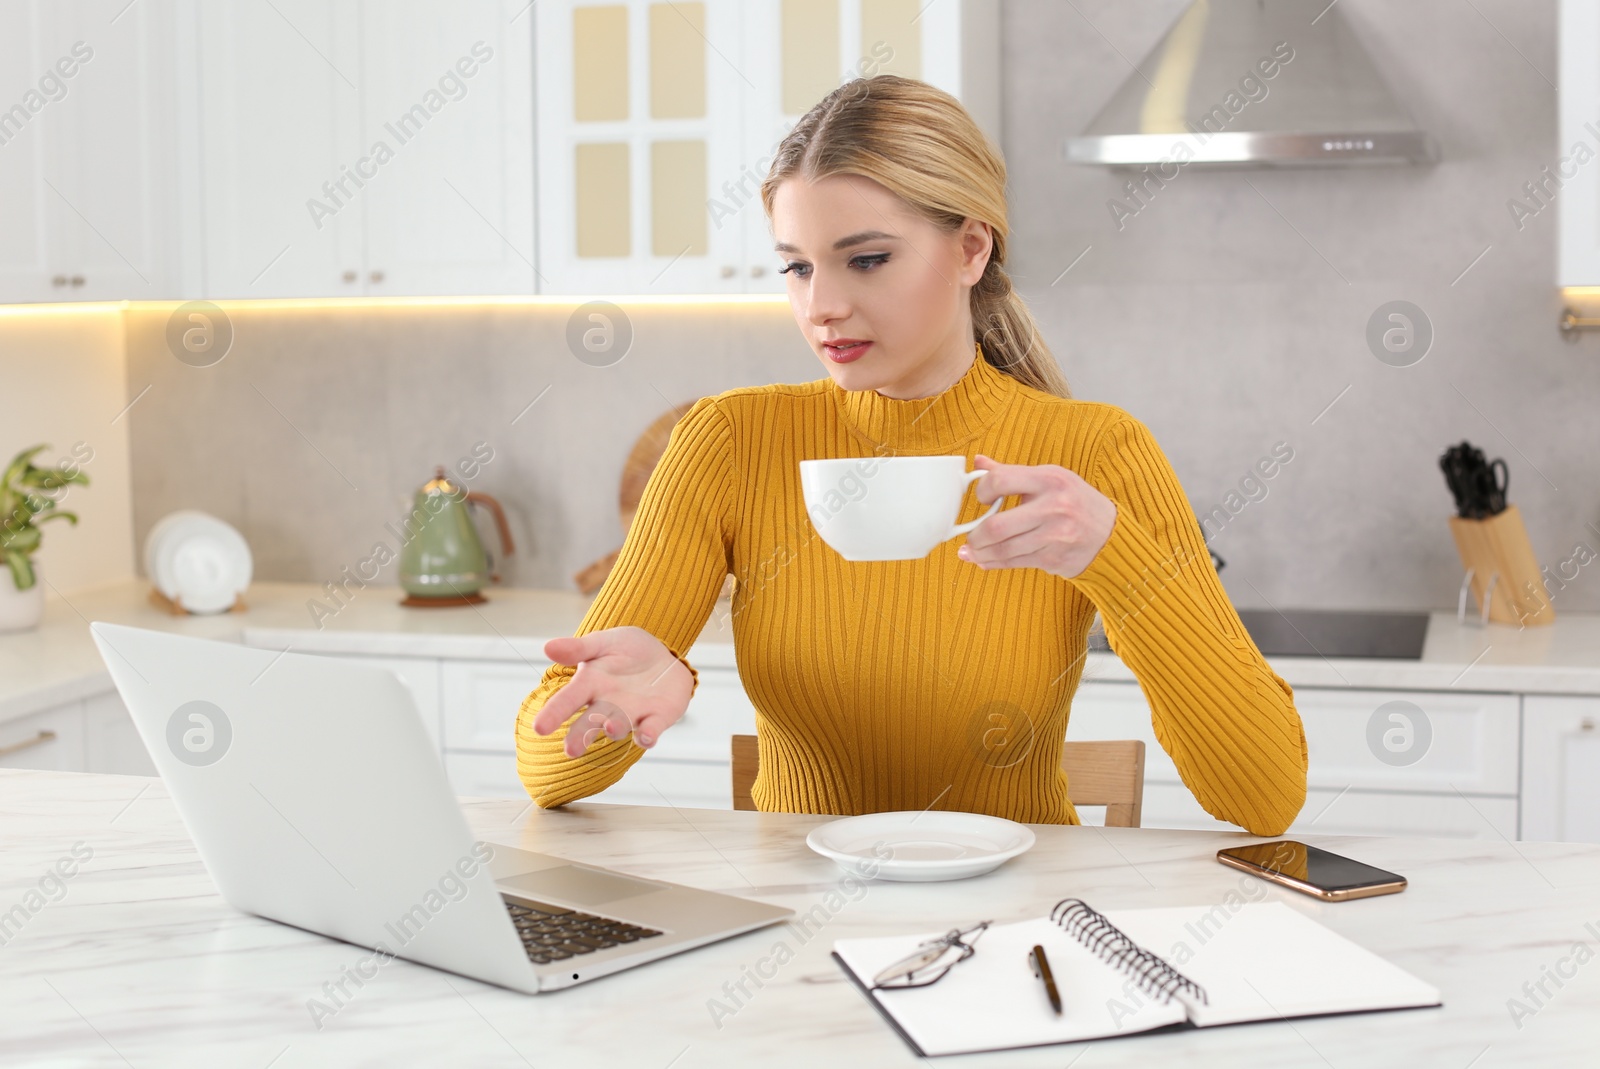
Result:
x=443 y=562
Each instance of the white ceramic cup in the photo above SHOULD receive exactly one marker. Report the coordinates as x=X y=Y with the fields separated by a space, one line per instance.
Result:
x=888 y=508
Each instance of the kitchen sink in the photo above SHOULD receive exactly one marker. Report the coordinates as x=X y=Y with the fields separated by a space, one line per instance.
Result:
x=1328 y=633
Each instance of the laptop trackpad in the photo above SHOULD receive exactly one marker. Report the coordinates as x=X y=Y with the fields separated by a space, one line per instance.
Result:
x=577 y=884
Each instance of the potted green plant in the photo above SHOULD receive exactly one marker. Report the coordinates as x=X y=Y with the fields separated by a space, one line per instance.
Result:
x=26 y=504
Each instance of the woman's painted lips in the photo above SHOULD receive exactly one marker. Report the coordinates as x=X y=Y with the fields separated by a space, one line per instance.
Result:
x=845 y=350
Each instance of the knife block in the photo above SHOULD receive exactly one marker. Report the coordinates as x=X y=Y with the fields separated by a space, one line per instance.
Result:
x=1498 y=546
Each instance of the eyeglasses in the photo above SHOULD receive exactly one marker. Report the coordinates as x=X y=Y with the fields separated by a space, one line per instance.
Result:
x=931 y=960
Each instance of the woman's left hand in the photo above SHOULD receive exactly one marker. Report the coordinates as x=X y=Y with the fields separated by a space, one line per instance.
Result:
x=1059 y=526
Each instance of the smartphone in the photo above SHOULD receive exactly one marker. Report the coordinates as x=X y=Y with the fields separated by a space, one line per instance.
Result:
x=1313 y=871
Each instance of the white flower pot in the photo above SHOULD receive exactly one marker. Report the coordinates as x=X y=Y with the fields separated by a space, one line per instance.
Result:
x=21 y=610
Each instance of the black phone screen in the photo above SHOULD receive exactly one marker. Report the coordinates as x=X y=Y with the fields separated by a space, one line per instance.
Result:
x=1318 y=867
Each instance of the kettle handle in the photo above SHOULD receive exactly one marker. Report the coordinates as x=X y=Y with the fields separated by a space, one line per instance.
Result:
x=499 y=517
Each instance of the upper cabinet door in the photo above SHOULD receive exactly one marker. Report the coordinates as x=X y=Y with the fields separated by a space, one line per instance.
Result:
x=78 y=152
x=1578 y=108
x=105 y=157
x=280 y=148
x=447 y=123
x=648 y=186
x=808 y=48
x=25 y=260
x=639 y=120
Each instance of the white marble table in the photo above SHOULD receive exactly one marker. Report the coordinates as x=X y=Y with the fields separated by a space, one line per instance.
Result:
x=135 y=960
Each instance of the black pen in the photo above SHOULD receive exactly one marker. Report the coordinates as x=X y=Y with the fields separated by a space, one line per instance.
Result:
x=1041 y=969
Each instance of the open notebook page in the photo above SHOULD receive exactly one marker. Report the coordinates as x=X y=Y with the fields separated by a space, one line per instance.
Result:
x=1264 y=960
x=993 y=1001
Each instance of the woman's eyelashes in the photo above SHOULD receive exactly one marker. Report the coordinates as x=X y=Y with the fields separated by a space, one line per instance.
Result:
x=868 y=262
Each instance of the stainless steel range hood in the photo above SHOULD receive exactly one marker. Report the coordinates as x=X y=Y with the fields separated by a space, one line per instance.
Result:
x=1262 y=82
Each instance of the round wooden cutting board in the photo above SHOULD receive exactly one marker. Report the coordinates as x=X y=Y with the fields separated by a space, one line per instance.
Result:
x=636 y=470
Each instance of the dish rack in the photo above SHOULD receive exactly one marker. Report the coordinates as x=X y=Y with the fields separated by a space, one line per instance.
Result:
x=1502 y=573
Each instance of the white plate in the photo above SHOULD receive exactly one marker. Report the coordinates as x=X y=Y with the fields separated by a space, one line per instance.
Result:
x=199 y=559
x=920 y=847
x=154 y=540
x=209 y=569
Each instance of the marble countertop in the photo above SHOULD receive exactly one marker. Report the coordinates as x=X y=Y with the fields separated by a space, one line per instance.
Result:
x=58 y=662
x=136 y=960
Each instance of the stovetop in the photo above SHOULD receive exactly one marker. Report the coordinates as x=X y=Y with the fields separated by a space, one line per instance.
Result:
x=1328 y=633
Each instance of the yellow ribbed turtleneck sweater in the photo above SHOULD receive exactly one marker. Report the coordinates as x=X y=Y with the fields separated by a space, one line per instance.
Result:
x=879 y=685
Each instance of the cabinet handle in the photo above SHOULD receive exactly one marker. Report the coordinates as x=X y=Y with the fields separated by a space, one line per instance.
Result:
x=77 y=280
x=58 y=280
x=38 y=740
x=757 y=271
x=376 y=276
x=349 y=276
x=728 y=271
x=1587 y=724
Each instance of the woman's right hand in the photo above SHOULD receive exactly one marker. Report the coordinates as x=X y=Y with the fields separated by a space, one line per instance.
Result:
x=629 y=680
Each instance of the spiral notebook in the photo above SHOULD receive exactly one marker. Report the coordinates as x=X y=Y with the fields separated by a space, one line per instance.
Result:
x=1222 y=964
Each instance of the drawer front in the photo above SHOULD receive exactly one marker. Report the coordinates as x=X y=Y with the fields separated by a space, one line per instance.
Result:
x=719 y=710
x=111 y=742
x=477 y=775
x=654 y=780
x=1561 y=768
x=1330 y=812
x=479 y=702
x=1435 y=741
x=421 y=677
x=52 y=740
x=1422 y=741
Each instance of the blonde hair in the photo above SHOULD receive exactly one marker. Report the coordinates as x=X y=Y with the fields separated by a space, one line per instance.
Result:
x=920 y=143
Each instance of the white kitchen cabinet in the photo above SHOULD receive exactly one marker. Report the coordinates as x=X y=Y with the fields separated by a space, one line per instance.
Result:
x=1444 y=816
x=326 y=148
x=1463 y=781
x=53 y=739
x=1574 y=189
x=690 y=765
x=1493 y=765
x=89 y=735
x=82 y=124
x=366 y=148
x=1330 y=812
x=480 y=699
x=808 y=48
x=483 y=775
x=25 y=256
x=651 y=781
x=302 y=148
x=279 y=117
x=639 y=106
x=421 y=677
x=448 y=88
x=657 y=122
x=1561 y=768
x=111 y=742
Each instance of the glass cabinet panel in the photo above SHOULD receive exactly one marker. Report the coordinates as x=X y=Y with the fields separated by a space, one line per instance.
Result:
x=602 y=188
x=600 y=63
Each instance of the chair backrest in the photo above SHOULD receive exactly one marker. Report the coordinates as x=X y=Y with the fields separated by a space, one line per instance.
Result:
x=1108 y=773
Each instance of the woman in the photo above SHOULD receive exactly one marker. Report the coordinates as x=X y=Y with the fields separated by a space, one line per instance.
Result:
x=939 y=683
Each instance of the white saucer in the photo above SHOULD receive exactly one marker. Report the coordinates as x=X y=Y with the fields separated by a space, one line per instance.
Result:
x=920 y=847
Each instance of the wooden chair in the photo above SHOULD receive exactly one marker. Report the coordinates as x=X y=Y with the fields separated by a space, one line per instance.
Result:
x=1108 y=773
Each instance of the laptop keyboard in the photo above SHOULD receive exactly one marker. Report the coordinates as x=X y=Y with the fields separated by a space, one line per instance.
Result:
x=553 y=933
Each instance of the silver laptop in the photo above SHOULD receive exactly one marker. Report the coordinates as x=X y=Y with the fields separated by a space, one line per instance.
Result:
x=316 y=798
